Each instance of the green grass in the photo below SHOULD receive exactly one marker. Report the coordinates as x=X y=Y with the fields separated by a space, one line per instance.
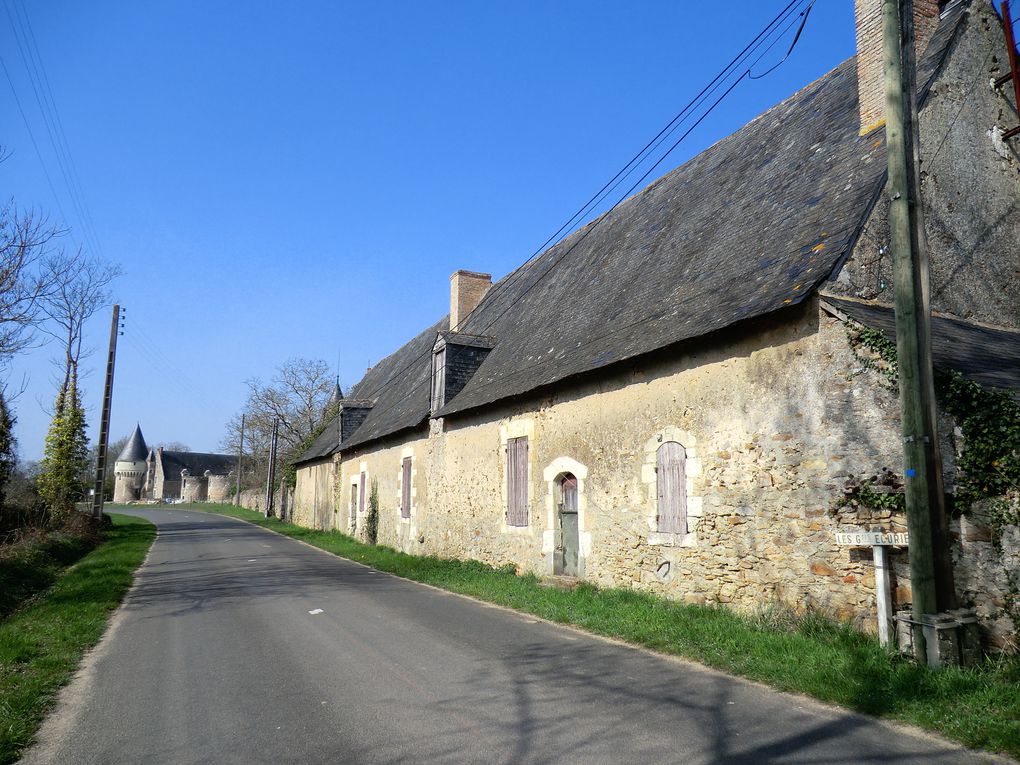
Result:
x=32 y=565
x=809 y=654
x=42 y=644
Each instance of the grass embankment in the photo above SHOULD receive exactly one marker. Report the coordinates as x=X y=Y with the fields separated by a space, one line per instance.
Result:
x=42 y=644
x=31 y=565
x=809 y=654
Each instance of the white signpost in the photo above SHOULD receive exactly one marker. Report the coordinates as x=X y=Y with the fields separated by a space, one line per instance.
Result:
x=878 y=541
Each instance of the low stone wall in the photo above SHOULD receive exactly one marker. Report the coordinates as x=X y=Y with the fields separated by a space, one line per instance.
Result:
x=255 y=499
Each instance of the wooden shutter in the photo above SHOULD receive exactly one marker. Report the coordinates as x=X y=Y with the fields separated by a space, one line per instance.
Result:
x=438 y=379
x=361 y=492
x=405 y=488
x=517 y=481
x=672 y=488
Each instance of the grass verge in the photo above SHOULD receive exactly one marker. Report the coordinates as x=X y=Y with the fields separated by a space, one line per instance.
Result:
x=32 y=565
x=810 y=654
x=42 y=644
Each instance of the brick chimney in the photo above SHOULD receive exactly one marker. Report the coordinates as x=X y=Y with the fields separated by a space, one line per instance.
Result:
x=467 y=288
x=870 y=66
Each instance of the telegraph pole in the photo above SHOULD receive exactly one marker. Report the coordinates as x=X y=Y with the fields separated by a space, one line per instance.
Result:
x=240 y=452
x=930 y=566
x=104 y=420
x=272 y=470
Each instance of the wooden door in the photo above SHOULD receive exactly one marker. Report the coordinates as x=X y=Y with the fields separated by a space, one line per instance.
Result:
x=567 y=549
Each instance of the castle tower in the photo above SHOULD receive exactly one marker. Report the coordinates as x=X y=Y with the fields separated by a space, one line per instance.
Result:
x=129 y=469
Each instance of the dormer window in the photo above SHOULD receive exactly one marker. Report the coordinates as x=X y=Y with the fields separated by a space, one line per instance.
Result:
x=438 y=377
x=455 y=358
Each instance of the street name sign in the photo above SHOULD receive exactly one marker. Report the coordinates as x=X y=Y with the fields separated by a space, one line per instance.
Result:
x=872 y=538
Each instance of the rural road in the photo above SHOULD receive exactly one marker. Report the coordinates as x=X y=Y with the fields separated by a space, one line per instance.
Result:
x=221 y=654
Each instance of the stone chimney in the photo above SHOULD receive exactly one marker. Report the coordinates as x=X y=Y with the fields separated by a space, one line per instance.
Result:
x=467 y=288
x=870 y=65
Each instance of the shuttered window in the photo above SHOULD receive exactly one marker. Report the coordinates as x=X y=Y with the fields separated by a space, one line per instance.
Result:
x=671 y=479
x=405 y=488
x=361 y=492
x=438 y=379
x=517 y=481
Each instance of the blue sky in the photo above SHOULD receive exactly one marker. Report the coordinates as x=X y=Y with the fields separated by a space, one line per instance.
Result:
x=300 y=179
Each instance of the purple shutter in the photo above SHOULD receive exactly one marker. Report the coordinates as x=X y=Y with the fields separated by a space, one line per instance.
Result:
x=517 y=481
x=672 y=488
x=405 y=488
x=353 y=509
x=361 y=492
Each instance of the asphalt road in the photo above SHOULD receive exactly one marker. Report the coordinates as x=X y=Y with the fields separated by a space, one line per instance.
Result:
x=241 y=646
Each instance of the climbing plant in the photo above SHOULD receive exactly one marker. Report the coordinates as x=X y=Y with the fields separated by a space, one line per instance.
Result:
x=989 y=462
x=62 y=474
x=372 y=519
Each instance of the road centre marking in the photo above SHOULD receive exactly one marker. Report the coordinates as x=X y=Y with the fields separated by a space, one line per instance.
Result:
x=316 y=611
x=251 y=560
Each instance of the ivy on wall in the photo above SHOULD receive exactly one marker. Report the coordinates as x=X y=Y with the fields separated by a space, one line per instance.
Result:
x=989 y=462
x=988 y=465
x=372 y=519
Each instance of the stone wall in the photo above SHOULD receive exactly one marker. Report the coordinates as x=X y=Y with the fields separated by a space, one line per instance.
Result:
x=314 y=495
x=255 y=499
x=775 y=426
x=194 y=488
x=220 y=488
x=381 y=468
x=970 y=184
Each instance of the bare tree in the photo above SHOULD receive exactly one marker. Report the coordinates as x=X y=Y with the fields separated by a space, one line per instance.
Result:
x=79 y=288
x=173 y=446
x=296 y=397
x=24 y=281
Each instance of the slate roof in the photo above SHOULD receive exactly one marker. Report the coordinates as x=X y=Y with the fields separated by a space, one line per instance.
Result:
x=749 y=226
x=987 y=355
x=324 y=445
x=197 y=463
x=135 y=449
x=399 y=385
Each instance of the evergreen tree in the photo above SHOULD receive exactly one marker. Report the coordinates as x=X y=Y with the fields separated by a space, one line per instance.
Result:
x=8 y=457
x=65 y=461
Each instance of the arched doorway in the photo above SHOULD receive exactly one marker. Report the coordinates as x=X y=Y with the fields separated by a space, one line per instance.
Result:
x=565 y=558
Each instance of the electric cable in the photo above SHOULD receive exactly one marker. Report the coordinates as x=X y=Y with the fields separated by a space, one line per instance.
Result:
x=766 y=32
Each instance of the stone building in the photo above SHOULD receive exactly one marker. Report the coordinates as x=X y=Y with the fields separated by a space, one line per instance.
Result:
x=190 y=476
x=129 y=469
x=144 y=474
x=676 y=397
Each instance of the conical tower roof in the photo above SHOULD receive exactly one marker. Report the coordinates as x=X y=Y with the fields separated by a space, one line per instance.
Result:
x=135 y=449
x=335 y=397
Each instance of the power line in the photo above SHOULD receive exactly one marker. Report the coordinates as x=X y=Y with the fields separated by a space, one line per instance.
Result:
x=716 y=82
x=60 y=126
x=32 y=61
x=35 y=144
x=525 y=368
x=648 y=149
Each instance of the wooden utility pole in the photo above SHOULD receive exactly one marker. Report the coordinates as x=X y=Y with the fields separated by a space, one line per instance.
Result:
x=104 y=419
x=271 y=477
x=930 y=566
x=240 y=452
